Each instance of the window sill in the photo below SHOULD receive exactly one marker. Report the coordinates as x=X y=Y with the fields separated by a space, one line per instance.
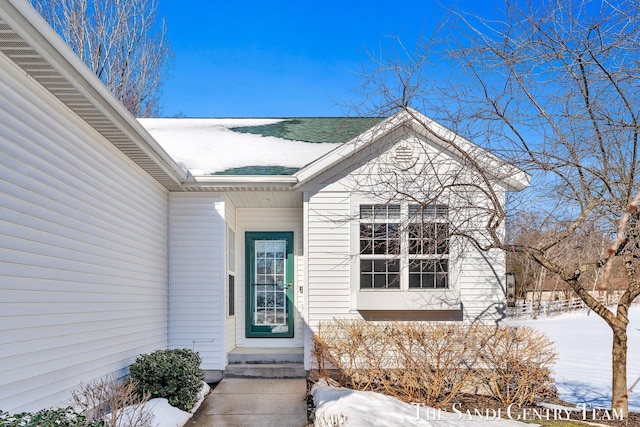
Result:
x=415 y=299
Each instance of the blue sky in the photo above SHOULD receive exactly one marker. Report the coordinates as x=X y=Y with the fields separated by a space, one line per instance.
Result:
x=281 y=58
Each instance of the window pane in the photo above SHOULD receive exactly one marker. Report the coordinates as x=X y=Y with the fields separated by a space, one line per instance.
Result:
x=441 y=281
x=442 y=231
x=366 y=211
x=366 y=234
x=393 y=212
x=393 y=265
x=394 y=281
x=380 y=265
x=280 y=299
x=231 y=250
x=428 y=280
x=380 y=247
x=366 y=281
x=414 y=280
x=394 y=239
x=366 y=231
x=270 y=299
x=380 y=281
x=261 y=266
x=430 y=238
x=231 y=295
x=380 y=231
x=366 y=265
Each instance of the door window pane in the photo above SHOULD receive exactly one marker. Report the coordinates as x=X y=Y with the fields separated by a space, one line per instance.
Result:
x=270 y=277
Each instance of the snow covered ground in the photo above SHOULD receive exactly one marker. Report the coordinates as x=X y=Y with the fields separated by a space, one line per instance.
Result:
x=206 y=146
x=165 y=415
x=337 y=406
x=583 y=342
x=582 y=373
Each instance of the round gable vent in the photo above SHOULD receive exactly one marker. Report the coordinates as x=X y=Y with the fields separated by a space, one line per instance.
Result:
x=403 y=155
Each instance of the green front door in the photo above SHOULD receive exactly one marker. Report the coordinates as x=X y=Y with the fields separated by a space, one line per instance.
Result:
x=269 y=284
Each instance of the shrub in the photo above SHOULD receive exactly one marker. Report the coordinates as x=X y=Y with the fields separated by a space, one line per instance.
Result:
x=116 y=402
x=172 y=374
x=63 y=417
x=433 y=363
x=516 y=362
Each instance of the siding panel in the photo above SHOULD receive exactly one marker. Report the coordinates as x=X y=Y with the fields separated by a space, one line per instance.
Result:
x=197 y=276
x=83 y=260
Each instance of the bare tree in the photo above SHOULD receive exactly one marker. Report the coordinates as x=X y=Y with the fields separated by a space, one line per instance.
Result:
x=554 y=87
x=119 y=42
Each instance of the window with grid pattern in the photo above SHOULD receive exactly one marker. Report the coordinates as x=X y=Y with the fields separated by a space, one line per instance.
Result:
x=379 y=246
x=382 y=236
x=428 y=239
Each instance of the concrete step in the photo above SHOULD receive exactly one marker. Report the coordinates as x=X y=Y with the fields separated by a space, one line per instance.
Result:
x=252 y=355
x=265 y=370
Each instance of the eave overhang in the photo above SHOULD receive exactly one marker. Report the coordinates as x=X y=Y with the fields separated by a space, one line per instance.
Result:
x=240 y=183
x=37 y=49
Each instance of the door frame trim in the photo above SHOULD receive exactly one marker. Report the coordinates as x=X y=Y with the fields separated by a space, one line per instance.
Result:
x=250 y=237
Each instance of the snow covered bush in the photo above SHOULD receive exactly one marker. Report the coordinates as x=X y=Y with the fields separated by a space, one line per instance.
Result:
x=433 y=363
x=172 y=374
x=63 y=417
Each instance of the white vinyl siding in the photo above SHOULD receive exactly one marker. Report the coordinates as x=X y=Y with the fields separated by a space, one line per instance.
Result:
x=230 y=321
x=329 y=257
x=197 y=276
x=269 y=219
x=332 y=208
x=482 y=285
x=83 y=260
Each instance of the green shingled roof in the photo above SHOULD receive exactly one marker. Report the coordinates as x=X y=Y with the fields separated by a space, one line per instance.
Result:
x=259 y=170
x=308 y=129
x=314 y=129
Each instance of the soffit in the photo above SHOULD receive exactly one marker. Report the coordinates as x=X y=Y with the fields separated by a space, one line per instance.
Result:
x=67 y=80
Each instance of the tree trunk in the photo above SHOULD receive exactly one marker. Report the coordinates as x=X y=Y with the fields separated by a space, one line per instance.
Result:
x=619 y=395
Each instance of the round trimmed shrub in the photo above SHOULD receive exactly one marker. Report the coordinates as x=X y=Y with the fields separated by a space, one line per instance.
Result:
x=172 y=374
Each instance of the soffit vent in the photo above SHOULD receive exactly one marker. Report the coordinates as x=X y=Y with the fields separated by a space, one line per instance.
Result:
x=403 y=155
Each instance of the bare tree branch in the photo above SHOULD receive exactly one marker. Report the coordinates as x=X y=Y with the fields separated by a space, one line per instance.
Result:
x=119 y=42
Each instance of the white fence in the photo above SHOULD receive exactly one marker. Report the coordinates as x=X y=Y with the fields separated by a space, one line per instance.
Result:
x=537 y=308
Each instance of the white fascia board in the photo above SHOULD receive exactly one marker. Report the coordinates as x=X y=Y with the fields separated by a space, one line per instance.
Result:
x=35 y=31
x=241 y=181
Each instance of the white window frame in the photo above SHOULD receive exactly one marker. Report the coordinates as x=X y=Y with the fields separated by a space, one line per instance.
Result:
x=402 y=298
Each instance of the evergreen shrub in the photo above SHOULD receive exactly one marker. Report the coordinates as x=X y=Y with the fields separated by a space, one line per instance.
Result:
x=171 y=374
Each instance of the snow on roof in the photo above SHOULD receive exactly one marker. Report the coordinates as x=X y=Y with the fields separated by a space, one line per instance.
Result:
x=237 y=146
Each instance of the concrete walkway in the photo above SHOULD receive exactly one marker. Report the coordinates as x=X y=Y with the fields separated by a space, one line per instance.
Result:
x=254 y=402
